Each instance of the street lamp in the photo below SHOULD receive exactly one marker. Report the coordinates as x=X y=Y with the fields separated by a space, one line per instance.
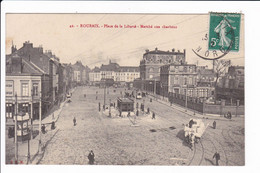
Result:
x=186 y=98
x=109 y=114
x=15 y=131
x=40 y=123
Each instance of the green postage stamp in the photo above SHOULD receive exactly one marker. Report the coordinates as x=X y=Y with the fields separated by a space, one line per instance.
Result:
x=224 y=31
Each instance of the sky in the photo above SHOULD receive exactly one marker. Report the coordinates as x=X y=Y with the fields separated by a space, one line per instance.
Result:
x=126 y=46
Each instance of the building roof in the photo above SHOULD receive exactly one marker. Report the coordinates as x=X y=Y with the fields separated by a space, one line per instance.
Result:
x=125 y=100
x=129 y=69
x=96 y=69
x=156 y=51
x=78 y=66
x=26 y=67
x=206 y=71
x=35 y=55
x=109 y=67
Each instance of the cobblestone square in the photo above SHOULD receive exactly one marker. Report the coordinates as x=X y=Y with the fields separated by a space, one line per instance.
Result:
x=157 y=141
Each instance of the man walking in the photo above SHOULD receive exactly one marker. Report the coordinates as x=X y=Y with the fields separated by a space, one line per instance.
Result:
x=214 y=125
x=153 y=117
x=148 y=111
x=74 y=121
x=217 y=157
x=91 y=157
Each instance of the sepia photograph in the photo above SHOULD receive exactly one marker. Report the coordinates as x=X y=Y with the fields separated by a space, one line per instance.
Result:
x=125 y=89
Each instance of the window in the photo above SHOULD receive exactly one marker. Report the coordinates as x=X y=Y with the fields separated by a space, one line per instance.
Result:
x=190 y=81
x=185 y=81
x=25 y=89
x=35 y=89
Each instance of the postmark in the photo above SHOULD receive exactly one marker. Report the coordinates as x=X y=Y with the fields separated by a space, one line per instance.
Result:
x=223 y=36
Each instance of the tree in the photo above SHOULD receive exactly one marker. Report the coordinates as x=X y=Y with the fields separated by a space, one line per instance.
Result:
x=220 y=67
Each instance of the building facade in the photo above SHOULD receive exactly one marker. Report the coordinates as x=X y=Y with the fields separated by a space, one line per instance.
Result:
x=153 y=60
x=119 y=74
x=94 y=76
x=79 y=76
x=24 y=83
x=178 y=78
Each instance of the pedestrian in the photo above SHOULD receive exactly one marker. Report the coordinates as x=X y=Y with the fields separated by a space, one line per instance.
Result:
x=128 y=115
x=153 y=117
x=91 y=157
x=53 y=116
x=148 y=110
x=191 y=123
x=99 y=108
x=43 y=128
x=137 y=113
x=217 y=157
x=214 y=125
x=53 y=125
x=114 y=104
x=229 y=115
x=74 y=121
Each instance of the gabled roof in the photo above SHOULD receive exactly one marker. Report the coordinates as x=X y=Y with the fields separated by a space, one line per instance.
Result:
x=78 y=66
x=96 y=69
x=35 y=56
x=28 y=68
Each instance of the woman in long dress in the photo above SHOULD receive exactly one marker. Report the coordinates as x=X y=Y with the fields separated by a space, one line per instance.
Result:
x=222 y=30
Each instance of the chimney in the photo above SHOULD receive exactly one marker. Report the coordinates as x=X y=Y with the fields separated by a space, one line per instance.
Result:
x=16 y=64
x=178 y=51
x=27 y=45
x=13 y=49
x=173 y=50
x=156 y=49
x=184 y=52
x=147 y=50
x=40 y=49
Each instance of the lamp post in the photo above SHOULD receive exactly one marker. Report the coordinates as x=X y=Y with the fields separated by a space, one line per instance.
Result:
x=143 y=105
x=186 y=98
x=104 y=97
x=155 y=89
x=109 y=114
x=15 y=131
x=40 y=124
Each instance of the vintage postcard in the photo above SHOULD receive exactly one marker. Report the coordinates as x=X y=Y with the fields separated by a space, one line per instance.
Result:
x=125 y=89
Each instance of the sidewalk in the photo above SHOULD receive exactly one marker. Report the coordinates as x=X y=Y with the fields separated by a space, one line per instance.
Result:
x=187 y=111
x=35 y=155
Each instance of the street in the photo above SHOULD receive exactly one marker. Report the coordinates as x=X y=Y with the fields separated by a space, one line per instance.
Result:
x=159 y=141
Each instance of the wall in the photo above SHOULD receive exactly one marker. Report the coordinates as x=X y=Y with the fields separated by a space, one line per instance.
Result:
x=198 y=105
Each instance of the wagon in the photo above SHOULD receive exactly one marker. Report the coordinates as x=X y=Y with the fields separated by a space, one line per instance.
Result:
x=195 y=127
